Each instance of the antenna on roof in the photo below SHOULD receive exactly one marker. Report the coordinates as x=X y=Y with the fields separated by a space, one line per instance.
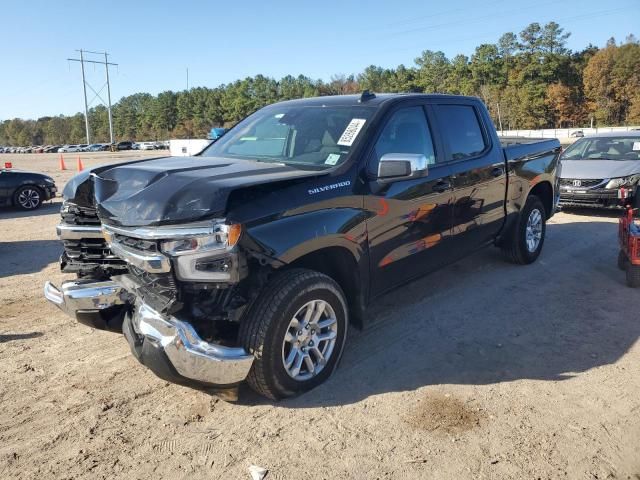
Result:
x=367 y=95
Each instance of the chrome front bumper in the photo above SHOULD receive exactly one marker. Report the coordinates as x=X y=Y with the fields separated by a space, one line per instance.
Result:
x=167 y=345
x=85 y=296
x=192 y=358
x=78 y=232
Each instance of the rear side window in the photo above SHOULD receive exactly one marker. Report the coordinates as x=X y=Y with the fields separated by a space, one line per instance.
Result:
x=461 y=130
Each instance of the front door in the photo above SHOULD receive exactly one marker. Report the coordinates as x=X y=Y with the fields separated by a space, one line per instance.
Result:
x=410 y=220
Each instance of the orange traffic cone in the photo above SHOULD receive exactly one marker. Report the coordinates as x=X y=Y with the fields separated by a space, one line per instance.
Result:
x=80 y=167
x=62 y=166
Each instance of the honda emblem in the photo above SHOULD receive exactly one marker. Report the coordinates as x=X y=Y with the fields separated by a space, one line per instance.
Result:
x=577 y=183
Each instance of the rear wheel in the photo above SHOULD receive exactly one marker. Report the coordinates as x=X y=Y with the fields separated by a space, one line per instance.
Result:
x=296 y=329
x=527 y=236
x=28 y=198
x=622 y=260
x=633 y=275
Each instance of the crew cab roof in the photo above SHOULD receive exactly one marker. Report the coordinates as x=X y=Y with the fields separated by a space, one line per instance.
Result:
x=353 y=100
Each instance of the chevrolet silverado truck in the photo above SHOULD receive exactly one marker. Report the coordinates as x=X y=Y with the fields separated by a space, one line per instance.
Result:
x=249 y=260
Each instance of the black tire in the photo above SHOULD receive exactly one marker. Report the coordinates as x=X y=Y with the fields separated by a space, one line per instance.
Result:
x=622 y=260
x=633 y=275
x=515 y=246
x=263 y=330
x=28 y=197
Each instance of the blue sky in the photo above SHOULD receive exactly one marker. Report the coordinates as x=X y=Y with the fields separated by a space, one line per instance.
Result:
x=155 y=41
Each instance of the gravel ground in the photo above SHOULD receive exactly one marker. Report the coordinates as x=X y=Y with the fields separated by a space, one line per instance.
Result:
x=484 y=370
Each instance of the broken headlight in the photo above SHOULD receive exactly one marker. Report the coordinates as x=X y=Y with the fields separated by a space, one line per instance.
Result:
x=623 y=182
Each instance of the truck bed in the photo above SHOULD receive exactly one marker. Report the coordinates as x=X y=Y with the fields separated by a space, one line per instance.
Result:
x=516 y=148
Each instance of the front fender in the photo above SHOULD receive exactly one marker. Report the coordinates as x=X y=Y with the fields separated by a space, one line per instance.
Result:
x=289 y=238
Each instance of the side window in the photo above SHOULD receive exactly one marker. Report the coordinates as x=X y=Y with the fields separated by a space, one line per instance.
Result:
x=406 y=131
x=461 y=130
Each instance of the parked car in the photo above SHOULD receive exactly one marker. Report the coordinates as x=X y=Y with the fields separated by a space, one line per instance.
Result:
x=146 y=145
x=577 y=134
x=95 y=147
x=250 y=260
x=217 y=133
x=596 y=167
x=52 y=148
x=25 y=190
x=69 y=149
x=115 y=147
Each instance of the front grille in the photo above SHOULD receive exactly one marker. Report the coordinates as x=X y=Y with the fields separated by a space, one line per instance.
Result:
x=87 y=254
x=159 y=290
x=596 y=197
x=584 y=183
x=90 y=250
x=136 y=243
x=75 y=215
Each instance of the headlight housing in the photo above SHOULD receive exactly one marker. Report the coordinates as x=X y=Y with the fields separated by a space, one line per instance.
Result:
x=206 y=257
x=623 y=182
x=222 y=237
x=199 y=252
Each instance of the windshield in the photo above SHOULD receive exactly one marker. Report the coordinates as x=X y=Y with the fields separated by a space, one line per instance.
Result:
x=305 y=136
x=604 y=148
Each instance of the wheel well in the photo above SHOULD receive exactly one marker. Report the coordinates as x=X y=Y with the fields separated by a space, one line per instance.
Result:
x=544 y=192
x=339 y=264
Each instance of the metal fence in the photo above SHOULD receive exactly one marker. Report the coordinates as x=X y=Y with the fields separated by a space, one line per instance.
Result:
x=563 y=132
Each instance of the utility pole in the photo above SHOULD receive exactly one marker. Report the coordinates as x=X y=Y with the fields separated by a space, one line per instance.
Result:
x=499 y=118
x=84 y=91
x=86 y=84
x=106 y=68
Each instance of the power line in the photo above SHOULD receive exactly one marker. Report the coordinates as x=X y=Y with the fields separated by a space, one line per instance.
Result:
x=86 y=84
x=490 y=34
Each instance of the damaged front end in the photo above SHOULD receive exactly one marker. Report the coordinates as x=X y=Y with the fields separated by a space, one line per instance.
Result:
x=178 y=303
x=155 y=264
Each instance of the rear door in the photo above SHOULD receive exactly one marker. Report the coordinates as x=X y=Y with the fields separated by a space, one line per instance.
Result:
x=410 y=220
x=477 y=173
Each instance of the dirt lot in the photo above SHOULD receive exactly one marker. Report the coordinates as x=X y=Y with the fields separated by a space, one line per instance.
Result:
x=484 y=370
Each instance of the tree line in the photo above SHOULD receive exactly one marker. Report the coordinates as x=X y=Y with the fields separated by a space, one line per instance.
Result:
x=528 y=81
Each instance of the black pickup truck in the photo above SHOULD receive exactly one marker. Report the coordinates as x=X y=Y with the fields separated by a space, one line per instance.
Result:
x=248 y=261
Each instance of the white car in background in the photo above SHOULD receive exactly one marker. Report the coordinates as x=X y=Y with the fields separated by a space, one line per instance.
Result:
x=146 y=145
x=69 y=149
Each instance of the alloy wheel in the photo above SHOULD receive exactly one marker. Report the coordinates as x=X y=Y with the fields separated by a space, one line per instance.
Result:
x=534 y=230
x=29 y=198
x=309 y=340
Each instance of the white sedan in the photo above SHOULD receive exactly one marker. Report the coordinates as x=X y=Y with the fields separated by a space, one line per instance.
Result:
x=69 y=149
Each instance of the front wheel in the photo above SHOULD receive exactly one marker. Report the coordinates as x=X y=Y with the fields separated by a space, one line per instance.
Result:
x=28 y=198
x=524 y=244
x=296 y=329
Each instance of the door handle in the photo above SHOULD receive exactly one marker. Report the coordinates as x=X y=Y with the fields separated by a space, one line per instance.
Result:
x=496 y=172
x=441 y=186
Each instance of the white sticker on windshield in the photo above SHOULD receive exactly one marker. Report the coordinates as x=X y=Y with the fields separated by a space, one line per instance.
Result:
x=332 y=159
x=636 y=146
x=351 y=132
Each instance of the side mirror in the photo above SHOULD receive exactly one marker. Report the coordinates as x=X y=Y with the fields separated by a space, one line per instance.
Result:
x=402 y=166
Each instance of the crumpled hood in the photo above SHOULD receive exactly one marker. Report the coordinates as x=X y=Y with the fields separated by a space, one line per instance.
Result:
x=179 y=189
x=592 y=169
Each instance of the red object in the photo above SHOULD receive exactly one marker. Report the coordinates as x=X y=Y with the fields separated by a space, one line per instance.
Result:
x=80 y=166
x=62 y=166
x=629 y=242
x=8 y=165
